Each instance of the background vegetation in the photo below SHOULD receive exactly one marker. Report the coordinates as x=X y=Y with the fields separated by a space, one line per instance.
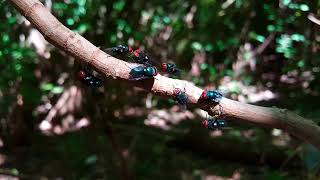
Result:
x=260 y=52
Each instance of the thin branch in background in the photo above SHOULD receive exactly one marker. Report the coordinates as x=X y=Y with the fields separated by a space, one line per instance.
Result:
x=106 y=125
x=264 y=45
x=123 y=159
x=313 y=19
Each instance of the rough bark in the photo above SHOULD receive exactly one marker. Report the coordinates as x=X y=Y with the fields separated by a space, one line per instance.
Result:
x=84 y=51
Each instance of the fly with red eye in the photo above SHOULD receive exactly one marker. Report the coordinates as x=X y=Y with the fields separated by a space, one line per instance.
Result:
x=120 y=50
x=210 y=96
x=170 y=68
x=140 y=57
x=137 y=56
x=89 y=79
x=180 y=97
x=214 y=124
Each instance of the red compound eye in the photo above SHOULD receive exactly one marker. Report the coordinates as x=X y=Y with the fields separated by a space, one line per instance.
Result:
x=176 y=91
x=81 y=75
x=205 y=123
x=164 y=67
x=203 y=96
x=130 y=49
x=136 y=53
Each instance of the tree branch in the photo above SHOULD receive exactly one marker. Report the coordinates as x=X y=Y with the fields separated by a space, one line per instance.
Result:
x=78 y=47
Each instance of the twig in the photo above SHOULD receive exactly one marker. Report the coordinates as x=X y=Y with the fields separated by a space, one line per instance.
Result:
x=84 y=51
x=123 y=160
x=264 y=45
x=313 y=19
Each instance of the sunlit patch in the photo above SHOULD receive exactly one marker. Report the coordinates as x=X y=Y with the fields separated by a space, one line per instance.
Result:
x=276 y=132
x=296 y=78
x=1 y=143
x=165 y=119
x=3 y=159
x=249 y=133
x=216 y=133
x=235 y=176
x=244 y=93
x=261 y=96
x=157 y=122
x=58 y=130
x=60 y=116
x=125 y=153
x=189 y=16
x=45 y=126
x=36 y=40
x=280 y=138
x=197 y=60
x=82 y=123
x=19 y=99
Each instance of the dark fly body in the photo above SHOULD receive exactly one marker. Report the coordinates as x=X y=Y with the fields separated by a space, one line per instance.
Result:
x=211 y=96
x=137 y=56
x=170 y=68
x=143 y=72
x=214 y=124
x=120 y=50
x=141 y=57
x=89 y=79
x=180 y=97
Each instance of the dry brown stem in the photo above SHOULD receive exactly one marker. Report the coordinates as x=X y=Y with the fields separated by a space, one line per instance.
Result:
x=84 y=51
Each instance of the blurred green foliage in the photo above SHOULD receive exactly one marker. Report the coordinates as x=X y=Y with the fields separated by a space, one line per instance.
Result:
x=235 y=46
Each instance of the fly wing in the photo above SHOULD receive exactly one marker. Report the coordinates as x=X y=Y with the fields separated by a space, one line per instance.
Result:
x=137 y=73
x=114 y=51
x=97 y=82
x=176 y=72
x=142 y=57
x=214 y=96
x=138 y=78
x=182 y=100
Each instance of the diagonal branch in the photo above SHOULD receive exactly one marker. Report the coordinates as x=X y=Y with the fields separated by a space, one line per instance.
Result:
x=84 y=51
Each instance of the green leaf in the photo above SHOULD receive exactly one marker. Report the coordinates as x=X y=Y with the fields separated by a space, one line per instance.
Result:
x=286 y=2
x=14 y=171
x=18 y=67
x=203 y=66
x=119 y=5
x=212 y=71
x=70 y=21
x=208 y=47
x=260 y=38
x=166 y=20
x=5 y=38
x=83 y=28
x=304 y=7
x=271 y=28
x=301 y=64
x=91 y=159
x=46 y=86
x=297 y=37
x=196 y=46
x=57 y=90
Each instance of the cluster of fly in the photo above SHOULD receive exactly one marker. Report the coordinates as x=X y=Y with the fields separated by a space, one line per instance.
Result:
x=147 y=69
x=210 y=96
